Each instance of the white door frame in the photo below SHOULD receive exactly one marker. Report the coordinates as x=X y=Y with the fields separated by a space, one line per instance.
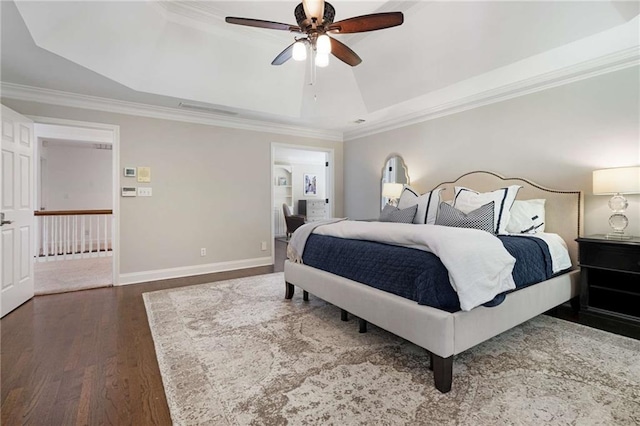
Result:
x=115 y=129
x=330 y=177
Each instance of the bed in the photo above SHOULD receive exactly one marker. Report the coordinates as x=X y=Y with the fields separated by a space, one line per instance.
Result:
x=444 y=334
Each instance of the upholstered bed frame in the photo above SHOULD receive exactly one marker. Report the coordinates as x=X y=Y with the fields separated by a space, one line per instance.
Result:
x=442 y=333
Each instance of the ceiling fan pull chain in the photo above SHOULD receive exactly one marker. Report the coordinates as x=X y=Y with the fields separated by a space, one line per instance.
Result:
x=312 y=66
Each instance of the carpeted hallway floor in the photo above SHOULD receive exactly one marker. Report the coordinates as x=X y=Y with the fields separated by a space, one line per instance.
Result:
x=71 y=275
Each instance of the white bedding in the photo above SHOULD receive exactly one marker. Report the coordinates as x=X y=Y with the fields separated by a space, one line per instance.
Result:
x=560 y=259
x=479 y=266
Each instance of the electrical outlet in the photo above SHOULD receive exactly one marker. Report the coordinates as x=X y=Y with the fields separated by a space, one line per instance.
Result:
x=203 y=251
x=263 y=246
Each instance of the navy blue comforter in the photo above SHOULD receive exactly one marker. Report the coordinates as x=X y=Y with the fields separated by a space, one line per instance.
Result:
x=416 y=274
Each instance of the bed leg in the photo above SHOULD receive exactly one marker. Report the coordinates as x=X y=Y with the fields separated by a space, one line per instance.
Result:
x=289 y=289
x=430 y=361
x=363 y=325
x=575 y=304
x=442 y=372
x=305 y=295
x=344 y=315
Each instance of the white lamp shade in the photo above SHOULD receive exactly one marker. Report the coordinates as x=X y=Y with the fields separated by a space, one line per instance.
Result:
x=622 y=180
x=299 y=51
x=392 y=190
x=314 y=9
x=322 y=59
x=323 y=44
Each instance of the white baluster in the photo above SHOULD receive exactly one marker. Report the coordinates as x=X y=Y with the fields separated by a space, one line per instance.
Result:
x=43 y=239
x=49 y=239
x=67 y=242
x=75 y=237
x=110 y=251
x=60 y=238
x=106 y=248
x=84 y=232
x=55 y=237
x=99 y=240
x=90 y=236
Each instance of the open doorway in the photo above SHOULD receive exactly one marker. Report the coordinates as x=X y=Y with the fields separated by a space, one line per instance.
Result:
x=302 y=179
x=75 y=194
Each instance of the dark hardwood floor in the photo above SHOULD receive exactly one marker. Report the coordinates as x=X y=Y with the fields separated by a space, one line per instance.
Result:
x=87 y=357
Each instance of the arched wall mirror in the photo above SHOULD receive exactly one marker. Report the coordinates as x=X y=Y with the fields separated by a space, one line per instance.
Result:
x=394 y=171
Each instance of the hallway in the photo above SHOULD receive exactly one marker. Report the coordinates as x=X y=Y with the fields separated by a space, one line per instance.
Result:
x=71 y=275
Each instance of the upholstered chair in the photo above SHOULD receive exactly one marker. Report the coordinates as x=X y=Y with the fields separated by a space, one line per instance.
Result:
x=293 y=221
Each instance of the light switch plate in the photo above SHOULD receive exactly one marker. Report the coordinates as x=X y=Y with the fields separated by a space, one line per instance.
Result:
x=144 y=191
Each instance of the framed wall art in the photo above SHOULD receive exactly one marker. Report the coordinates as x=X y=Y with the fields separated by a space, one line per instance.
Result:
x=310 y=184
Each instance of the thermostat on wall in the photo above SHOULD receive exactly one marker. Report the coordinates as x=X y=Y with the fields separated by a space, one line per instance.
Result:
x=128 y=191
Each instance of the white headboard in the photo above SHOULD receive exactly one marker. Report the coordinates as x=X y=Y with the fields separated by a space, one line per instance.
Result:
x=564 y=210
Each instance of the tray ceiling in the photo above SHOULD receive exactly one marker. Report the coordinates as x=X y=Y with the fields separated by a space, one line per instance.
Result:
x=162 y=53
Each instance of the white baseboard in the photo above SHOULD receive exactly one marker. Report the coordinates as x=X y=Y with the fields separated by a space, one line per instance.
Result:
x=186 y=271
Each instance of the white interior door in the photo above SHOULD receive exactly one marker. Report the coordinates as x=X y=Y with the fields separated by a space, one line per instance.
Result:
x=16 y=198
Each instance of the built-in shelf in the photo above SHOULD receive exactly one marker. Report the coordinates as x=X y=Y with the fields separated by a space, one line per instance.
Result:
x=282 y=194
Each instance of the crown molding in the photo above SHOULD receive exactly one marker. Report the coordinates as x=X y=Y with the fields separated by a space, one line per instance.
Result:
x=207 y=16
x=608 y=63
x=74 y=100
x=605 y=64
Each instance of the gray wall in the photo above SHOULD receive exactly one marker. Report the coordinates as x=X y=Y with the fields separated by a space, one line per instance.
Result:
x=211 y=188
x=78 y=178
x=555 y=137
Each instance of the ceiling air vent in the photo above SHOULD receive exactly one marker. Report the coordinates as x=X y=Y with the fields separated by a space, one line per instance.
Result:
x=204 y=108
x=360 y=121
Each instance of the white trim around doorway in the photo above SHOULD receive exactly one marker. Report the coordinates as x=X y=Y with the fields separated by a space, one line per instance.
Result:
x=330 y=176
x=115 y=130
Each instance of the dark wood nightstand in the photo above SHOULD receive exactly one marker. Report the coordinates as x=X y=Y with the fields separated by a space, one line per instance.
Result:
x=610 y=284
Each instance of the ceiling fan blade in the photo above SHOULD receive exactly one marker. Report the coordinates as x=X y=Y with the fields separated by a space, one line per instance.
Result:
x=259 y=23
x=344 y=53
x=375 y=21
x=284 y=56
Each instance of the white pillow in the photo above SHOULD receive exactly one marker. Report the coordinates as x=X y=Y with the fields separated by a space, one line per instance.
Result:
x=467 y=200
x=427 y=204
x=527 y=217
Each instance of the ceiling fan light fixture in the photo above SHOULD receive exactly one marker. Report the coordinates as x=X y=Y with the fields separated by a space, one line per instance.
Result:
x=299 y=51
x=315 y=18
x=313 y=9
x=323 y=44
x=322 y=59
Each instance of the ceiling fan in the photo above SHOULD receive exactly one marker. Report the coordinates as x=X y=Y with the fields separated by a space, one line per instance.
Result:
x=315 y=20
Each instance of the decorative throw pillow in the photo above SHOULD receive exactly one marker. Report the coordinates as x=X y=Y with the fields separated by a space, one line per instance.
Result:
x=481 y=218
x=527 y=217
x=427 y=204
x=393 y=214
x=467 y=200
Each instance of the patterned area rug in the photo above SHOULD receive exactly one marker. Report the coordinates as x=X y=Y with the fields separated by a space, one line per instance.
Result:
x=236 y=352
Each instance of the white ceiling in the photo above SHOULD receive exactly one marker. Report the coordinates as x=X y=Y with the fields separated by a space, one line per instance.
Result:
x=162 y=53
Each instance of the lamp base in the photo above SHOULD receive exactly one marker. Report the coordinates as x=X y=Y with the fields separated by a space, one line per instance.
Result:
x=615 y=236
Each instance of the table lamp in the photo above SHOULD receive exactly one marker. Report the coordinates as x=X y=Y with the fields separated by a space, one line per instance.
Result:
x=392 y=191
x=618 y=181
